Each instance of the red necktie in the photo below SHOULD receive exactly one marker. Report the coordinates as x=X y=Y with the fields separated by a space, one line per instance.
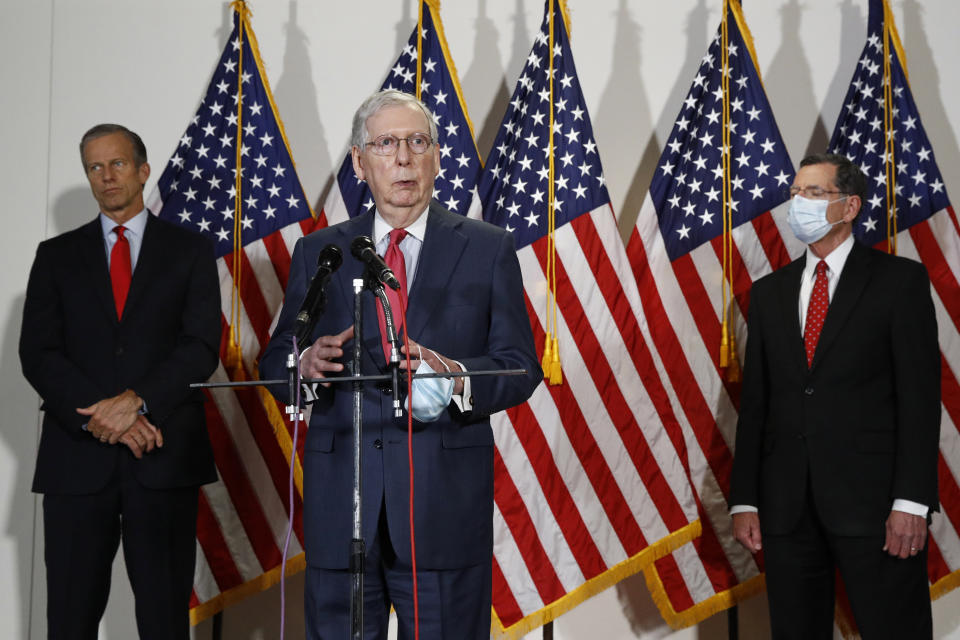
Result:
x=816 y=312
x=398 y=299
x=120 y=270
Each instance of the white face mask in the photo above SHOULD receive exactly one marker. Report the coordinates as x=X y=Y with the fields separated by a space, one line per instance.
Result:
x=430 y=395
x=808 y=218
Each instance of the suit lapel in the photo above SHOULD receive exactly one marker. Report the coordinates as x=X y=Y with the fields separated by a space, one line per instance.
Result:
x=150 y=260
x=789 y=308
x=443 y=244
x=94 y=257
x=853 y=279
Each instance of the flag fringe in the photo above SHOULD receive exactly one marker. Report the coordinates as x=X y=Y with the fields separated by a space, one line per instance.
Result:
x=639 y=562
x=702 y=610
x=235 y=594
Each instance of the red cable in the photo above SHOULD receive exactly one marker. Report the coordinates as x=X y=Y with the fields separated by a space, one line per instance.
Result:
x=413 y=544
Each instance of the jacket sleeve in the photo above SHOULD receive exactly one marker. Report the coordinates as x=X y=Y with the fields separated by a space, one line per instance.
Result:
x=745 y=478
x=916 y=364
x=509 y=341
x=44 y=358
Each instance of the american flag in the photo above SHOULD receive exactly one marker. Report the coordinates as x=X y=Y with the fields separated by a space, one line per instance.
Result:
x=439 y=90
x=677 y=252
x=254 y=224
x=879 y=128
x=591 y=484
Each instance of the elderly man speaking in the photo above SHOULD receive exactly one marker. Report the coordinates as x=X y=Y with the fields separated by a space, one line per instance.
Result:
x=462 y=290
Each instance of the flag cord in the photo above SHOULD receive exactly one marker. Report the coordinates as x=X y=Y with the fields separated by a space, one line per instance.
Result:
x=240 y=7
x=551 y=352
x=889 y=164
x=416 y=87
x=728 y=350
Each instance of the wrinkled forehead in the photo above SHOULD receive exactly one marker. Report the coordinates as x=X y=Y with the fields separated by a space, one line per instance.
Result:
x=816 y=175
x=392 y=118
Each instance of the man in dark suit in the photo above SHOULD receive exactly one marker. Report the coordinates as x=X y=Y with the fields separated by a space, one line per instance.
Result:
x=837 y=441
x=465 y=311
x=121 y=315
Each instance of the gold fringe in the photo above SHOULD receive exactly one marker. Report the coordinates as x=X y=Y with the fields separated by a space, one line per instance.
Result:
x=592 y=587
x=232 y=596
x=702 y=610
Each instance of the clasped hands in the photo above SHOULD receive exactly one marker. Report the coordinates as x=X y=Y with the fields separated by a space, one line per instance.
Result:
x=321 y=358
x=118 y=419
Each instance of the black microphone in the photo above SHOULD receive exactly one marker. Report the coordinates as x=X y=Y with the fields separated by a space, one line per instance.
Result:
x=364 y=250
x=328 y=261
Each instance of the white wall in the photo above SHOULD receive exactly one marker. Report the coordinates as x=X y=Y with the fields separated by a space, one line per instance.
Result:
x=67 y=65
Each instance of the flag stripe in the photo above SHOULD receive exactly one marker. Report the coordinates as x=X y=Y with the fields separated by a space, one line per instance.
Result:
x=524 y=532
x=214 y=545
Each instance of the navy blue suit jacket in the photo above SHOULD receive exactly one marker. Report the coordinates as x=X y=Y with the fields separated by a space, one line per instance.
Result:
x=466 y=302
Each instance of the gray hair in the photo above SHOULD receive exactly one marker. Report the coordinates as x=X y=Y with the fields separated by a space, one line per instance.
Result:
x=379 y=100
x=100 y=130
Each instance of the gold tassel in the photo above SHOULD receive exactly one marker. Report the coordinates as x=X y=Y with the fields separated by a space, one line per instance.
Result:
x=724 y=346
x=733 y=362
x=547 y=355
x=556 y=375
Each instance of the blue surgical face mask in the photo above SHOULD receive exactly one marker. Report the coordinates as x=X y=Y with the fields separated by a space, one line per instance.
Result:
x=430 y=395
x=808 y=218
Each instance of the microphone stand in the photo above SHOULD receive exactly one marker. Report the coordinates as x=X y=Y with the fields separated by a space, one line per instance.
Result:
x=358 y=548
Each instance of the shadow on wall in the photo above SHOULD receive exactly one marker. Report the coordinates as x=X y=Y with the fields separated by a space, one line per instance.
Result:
x=626 y=87
x=933 y=114
x=789 y=85
x=487 y=64
x=698 y=39
x=19 y=431
x=296 y=98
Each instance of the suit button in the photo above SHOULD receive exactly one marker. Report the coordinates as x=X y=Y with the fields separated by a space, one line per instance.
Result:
x=378 y=444
x=808 y=391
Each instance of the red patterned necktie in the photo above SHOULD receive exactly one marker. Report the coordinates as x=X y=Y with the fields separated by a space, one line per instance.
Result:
x=816 y=312
x=120 y=269
x=398 y=299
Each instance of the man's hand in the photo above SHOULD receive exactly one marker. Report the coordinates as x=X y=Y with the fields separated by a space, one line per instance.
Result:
x=746 y=529
x=318 y=360
x=142 y=437
x=436 y=361
x=111 y=417
x=906 y=534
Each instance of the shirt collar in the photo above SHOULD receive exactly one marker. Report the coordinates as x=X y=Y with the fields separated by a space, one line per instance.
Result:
x=835 y=259
x=134 y=225
x=381 y=227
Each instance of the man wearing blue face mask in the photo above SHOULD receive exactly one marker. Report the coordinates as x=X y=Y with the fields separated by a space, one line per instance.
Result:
x=461 y=285
x=837 y=439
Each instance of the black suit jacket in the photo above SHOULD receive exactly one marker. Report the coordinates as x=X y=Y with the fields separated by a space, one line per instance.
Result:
x=466 y=302
x=861 y=426
x=74 y=351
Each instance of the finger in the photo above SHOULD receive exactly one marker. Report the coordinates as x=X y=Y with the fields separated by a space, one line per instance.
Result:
x=87 y=411
x=346 y=334
x=133 y=446
x=159 y=438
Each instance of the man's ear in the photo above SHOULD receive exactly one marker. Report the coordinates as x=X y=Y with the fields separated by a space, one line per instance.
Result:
x=357 y=161
x=853 y=205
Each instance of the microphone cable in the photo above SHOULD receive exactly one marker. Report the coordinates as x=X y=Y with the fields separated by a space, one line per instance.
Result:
x=413 y=544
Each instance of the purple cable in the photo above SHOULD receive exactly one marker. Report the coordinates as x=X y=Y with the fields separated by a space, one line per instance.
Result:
x=293 y=456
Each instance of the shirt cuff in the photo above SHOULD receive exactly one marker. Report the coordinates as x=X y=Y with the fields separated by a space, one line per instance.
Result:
x=463 y=400
x=743 y=508
x=308 y=392
x=911 y=507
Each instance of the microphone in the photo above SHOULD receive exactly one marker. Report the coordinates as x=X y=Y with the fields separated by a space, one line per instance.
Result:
x=364 y=250
x=328 y=261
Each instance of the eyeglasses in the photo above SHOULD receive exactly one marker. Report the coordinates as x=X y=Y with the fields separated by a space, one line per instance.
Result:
x=813 y=193
x=388 y=145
